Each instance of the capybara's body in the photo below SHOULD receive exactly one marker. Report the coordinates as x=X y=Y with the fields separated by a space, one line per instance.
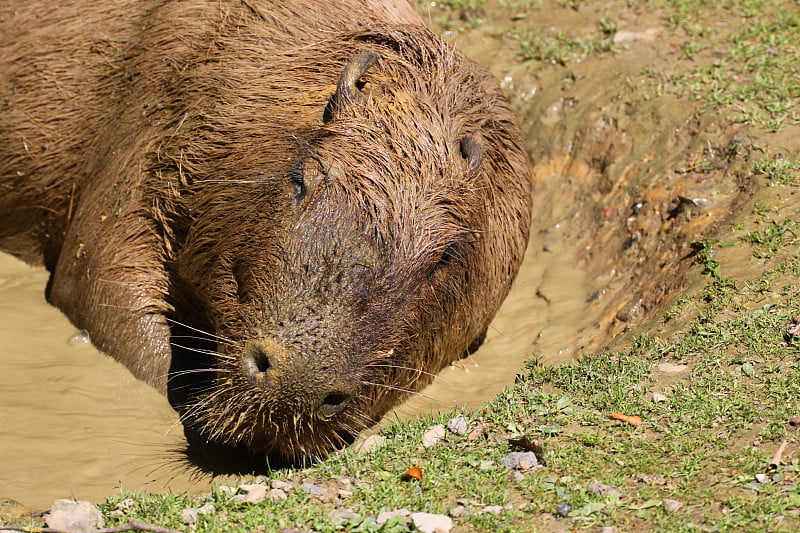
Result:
x=327 y=201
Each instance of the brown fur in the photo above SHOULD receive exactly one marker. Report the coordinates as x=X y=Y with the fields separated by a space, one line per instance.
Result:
x=169 y=163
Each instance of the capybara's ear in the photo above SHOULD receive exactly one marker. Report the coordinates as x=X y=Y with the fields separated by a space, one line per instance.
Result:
x=347 y=88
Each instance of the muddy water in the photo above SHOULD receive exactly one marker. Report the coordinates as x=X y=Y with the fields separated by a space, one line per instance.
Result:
x=73 y=423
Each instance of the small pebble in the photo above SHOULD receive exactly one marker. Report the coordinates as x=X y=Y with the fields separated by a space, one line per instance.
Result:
x=383 y=516
x=493 y=509
x=563 y=510
x=74 y=515
x=432 y=523
x=277 y=495
x=370 y=443
x=457 y=510
x=512 y=461
x=517 y=475
x=658 y=397
x=189 y=516
x=207 y=508
x=603 y=490
x=762 y=478
x=126 y=504
x=671 y=368
x=256 y=492
x=672 y=505
x=278 y=484
x=457 y=425
x=433 y=435
x=314 y=490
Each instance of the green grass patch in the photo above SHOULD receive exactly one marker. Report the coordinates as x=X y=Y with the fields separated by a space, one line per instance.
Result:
x=750 y=70
x=779 y=171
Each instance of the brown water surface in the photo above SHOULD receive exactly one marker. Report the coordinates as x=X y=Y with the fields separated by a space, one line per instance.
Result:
x=73 y=422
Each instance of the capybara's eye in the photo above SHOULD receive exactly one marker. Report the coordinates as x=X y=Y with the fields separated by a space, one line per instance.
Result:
x=298 y=183
x=241 y=277
x=472 y=152
x=450 y=255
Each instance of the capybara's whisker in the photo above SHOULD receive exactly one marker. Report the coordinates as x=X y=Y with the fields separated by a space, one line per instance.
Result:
x=210 y=335
x=214 y=371
x=412 y=369
x=395 y=388
x=200 y=350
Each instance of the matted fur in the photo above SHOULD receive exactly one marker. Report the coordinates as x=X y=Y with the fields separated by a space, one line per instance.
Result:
x=169 y=163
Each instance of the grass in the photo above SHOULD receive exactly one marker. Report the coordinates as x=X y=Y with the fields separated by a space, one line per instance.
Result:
x=779 y=170
x=750 y=70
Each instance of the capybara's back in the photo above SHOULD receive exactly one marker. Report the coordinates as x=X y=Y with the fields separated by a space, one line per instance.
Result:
x=309 y=207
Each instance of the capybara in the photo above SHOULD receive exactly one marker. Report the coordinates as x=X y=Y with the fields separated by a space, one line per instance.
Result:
x=318 y=203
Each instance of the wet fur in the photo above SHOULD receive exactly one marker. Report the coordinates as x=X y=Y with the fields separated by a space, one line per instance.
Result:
x=149 y=155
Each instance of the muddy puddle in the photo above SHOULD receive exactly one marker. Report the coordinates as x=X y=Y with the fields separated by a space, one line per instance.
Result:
x=622 y=188
x=72 y=421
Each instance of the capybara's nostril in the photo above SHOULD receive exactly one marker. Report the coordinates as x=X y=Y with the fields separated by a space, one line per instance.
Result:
x=255 y=361
x=333 y=404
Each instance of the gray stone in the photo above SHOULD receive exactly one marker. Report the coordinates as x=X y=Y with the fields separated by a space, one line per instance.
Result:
x=603 y=490
x=368 y=444
x=207 y=508
x=256 y=492
x=520 y=461
x=457 y=510
x=457 y=425
x=189 y=516
x=433 y=435
x=314 y=490
x=75 y=516
x=383 y=516
x=277 y=495
x=672 y=505
x=432 y=523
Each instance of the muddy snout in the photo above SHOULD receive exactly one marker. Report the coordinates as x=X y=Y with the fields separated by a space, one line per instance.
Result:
x=296 y=383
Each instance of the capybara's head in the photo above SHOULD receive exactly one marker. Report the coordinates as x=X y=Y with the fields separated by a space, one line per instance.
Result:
x=358 y=231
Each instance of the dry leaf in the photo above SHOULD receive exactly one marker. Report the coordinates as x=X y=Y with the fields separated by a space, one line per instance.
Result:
x=476 y=432
x=633 y=420
x=414 y=472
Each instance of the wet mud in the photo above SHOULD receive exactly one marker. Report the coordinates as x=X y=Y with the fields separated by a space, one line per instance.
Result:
x=622 y=189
